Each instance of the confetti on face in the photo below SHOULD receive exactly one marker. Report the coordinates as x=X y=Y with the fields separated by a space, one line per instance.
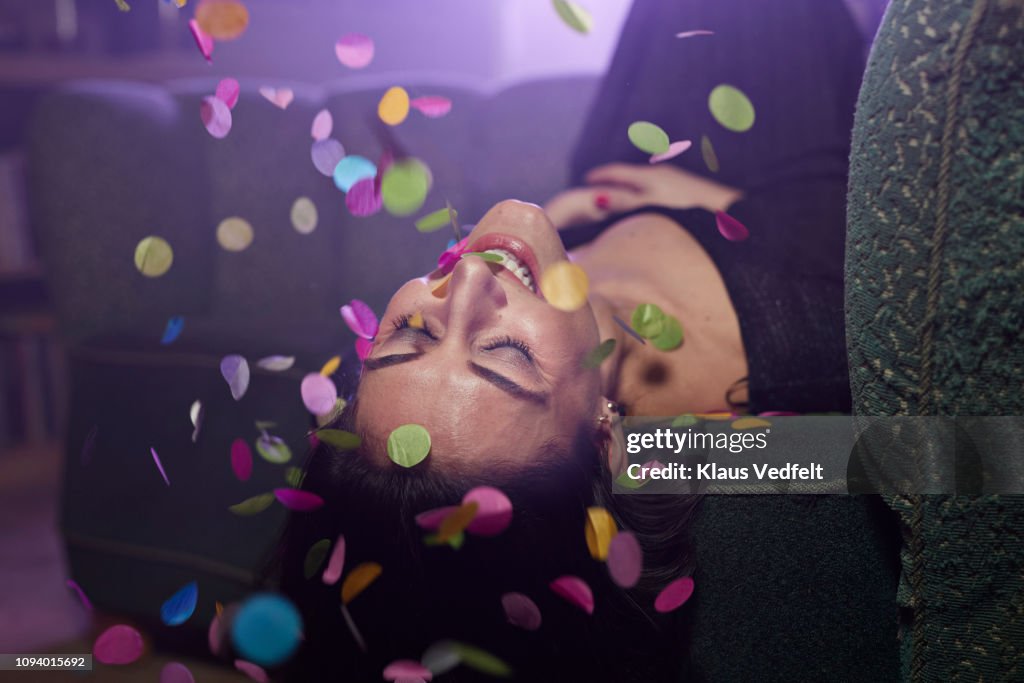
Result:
x=159 y=465
x=276 y=363
x=692 y=34
x=674 y=150
x=394 y=106
x=228 y=91
x=599 y=354
x=648 y=137
x=216 y=116
x=648 y=320
x=315 y=557
x=73 y=585
x=432 y=106
x=323 y=124
x=354 y=50
x=707 y=152
x=565 y=286
x=153 y=256
x=403 y=669
x=731 y=108
x=674 y=595
x=625 y=560
x=574 y=16
x=241 y=459
x=363 y=348
x=336 y=563
x=267 y=629
x=235 y=371
x=326 y=154
x=119 y=644
x=279 y=97
x=339 y=439
x=234 y=234
x=574 y=590
x=204 y=41
x=363 y=199
x=408 y=445
x=521 y=611
x=173 y=329
x=253 y=506
x=359 y=580
x=253 y=671
x=318 y=393
x=750 y=423
x=404 y=187
x=273 y=449
x=599 y=531
x=494 y=514
x=730 y=228
x=179 y=607
x=176 y=672
x=671 y=336
x=351 y=170
x=436 y=220
x=222 y=19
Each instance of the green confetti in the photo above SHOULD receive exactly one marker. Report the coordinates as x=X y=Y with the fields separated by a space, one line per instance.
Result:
x=731 y=108
x=599 y=354
x=273 y=449
x=294 y=477
x=685 y=420
x=628 y=482
x=254 y=505
x=493 y=258
x=708 y=152
x=315 y=557
x=123 y=6
x=475 y=658
x=340 y=439
x=575 y=17
x=648 y=320
x=153 y=256
x=455 y=541
x=262 y=425
x=671 y=336
x=436 y=220
x=408 y=445
x=647 y=137
x=404 y=187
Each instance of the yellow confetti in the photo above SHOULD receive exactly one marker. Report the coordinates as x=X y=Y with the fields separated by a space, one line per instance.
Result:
x=222 y=19
x=714 y=416
x=441 y=288
x=123 y=6
x=456 y=522
x=416 y=321
x=358 y=580
x=750 y=423
x=331 y=366
x=565 y=286
x=599 y=531
x=394 y=106
x=153 y=256
x=234 y=234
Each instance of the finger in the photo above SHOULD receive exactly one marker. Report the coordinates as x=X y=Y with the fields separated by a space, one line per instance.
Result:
x=612 y=200
x=626 y=175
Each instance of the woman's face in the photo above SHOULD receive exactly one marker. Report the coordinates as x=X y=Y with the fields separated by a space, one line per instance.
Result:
x=493 y=371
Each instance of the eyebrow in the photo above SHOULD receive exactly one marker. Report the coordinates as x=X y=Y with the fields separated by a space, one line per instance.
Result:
x=500 y=381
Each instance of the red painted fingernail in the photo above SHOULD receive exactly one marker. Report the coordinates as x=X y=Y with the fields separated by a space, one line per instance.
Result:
x=602 y=201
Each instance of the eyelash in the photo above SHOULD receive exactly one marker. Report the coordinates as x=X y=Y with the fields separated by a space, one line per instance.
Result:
x=402 y=323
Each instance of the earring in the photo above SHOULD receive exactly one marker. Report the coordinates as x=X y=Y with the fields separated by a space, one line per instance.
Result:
x=602 y=420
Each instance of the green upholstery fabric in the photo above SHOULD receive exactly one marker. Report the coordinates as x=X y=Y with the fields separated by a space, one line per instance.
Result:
x=935 y=268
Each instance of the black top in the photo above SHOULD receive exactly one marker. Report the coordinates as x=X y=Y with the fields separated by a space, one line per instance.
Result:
x=800 y=63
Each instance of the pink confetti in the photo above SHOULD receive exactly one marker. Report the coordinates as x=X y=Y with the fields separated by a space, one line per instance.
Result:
x=364 y=199
x=215 y=635
x=731 y=229
x=159 y=465
x=235 y=371
x=319 y=394
x=777 y=413
x=354 y=50
x=298 y=500
x=625 y=559
x=447 y=260
x=674 y=150
x=360 y=318
x=674 y=595
x=216 y=116
x=432 y=106
x=575 y=590
x=691 y=34
x=279 y=97
x=251 y=670
x=494 y=511
x=323 y=124
x=336 y=562
x=521 y=611
x=204 y=41
x=431 y=519
x=363 y=348
x=406 y=668
x=119 y=644
x=73 y=585
x=326 y=154
x=228 y=91
x=176 y=672
x=241 y=459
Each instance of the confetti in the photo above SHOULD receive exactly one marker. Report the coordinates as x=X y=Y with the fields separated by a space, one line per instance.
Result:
x=178 y=608
x=599 y=530
x=565 y=286
x=323 y=124
x=73 y=585
x=648 y=320
x=436 y=220
x=629 y=330
x=674 y=150
x=432 y=106
x=351 y=170
x=599 y=354
x=691 y=34
x=253 y=506
x=671 y=336
x=674 y=595
x=495 y=511
x=707 y=151
x=276 y=363
x=294 y=477
x=363 y=199
x=441 y=657
x=331 y=366
x=750 y=423
x=172 y=331
x=404 y=187
x=456 y=522
x=731 y=108
x=482 y=661
x=315 y=557
x=153 y=256
x=717 y=416
x=318 y=393
x=228 y=91
x=123 y=5
x=625 y=559
x=574 y=16
x=353 y=629
x=450 y=256
x=267 y=629
x=279 y=97
x=119 y=644
x=394 y=106
x=354 y=50
x=359 y=580
x=685 y=420
x=339 y=439
x=222 y=19
x=363 y=348
x=730 y=228
x=405 y=669
x=253 y=671
x=336 y=562
x=326 y=154
x=241 y=459
x=273 y=449
x=216 y=116
x=176 y=672
x=159 y=465
x=431 y=519
x=521 y=611
x=204 y=41
x=360 y=318
x=235 y=371
x=574 y=590
x=408 y=445
x=215 y=633
x=648 y=137
x=234 y=234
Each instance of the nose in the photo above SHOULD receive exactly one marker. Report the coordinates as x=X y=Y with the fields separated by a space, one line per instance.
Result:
x=474 y=295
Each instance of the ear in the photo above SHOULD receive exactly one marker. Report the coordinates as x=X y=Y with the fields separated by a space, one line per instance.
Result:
x=611 y=437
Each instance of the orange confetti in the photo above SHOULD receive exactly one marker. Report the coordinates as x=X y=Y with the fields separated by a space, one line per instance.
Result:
x=222 y=19
x=358 y=580
x=600 y=530
x=455 y=523
x=331 y=366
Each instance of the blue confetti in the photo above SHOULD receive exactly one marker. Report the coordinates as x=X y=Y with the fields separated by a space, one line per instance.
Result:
x=180 y=606
x=173 y=330
x=351 y=170
x=267 y=629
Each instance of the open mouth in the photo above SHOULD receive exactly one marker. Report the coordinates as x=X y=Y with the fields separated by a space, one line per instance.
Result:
x=516 y=257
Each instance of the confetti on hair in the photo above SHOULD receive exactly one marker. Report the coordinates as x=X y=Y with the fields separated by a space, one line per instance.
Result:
x=599 y=354
x=279 y=97
x=707 y=151
x=86 y=603
x=750 y=423
x=432 y=106
x=599 y=530
x=336 y=562
x=731 y=108
x=692 y=34
x=222 y=19
x=574 y=590
x=408 y=445
x=363 y=198
x=273 y=449
x=457 y=521
x=228 y=91
x=315 y=557
x=674 y=595
x=216 y=117
x=323 y=124
x=176 y=672
x=276 y=363
x=629 y=330
x=318 y=393
x=521 y=611
x=175 y=324
x=178 y=608
x=565 y=286
x=204 y=41
x=404 y=669
x=235 y=371
x=495 y=511
x=436 y=220
x=120 y=644
x=575 y=17
x=354 y=50
x=625 y=559
x=674 y=150
x=358 y=580
x=159 y=465
x=253 y=506
x=393 y=107
x=89 y=445
x=253 y=671
x=267 y=629
x=241 y=459
x=234 y=234
x=648 y=137
x=298 y=500
x=339 y=439
x=730 y=228
x=153 y=256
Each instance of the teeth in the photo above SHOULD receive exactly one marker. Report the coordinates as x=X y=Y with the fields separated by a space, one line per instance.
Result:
x=514 y=266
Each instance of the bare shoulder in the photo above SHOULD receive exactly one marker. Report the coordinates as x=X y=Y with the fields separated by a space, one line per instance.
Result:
x=644 y=240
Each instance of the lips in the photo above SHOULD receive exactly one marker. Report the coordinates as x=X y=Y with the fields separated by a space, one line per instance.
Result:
x=515 y=246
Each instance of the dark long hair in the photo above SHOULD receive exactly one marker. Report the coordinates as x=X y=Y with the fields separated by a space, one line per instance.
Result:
x=431 y=593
